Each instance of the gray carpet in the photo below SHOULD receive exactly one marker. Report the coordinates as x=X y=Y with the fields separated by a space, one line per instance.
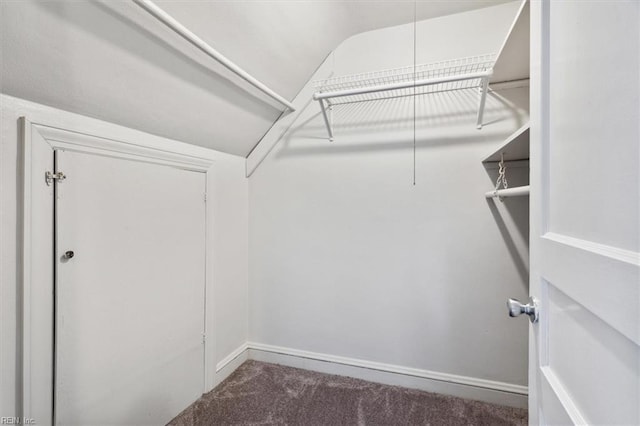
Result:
x=258 y=393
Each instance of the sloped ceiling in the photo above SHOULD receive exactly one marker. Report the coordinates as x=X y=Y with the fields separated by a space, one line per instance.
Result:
x=113 y=61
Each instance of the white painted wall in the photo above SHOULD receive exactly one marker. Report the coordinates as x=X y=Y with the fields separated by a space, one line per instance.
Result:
x=348 y=258
x=83 y=56
x=229 y=259
x=231 y=252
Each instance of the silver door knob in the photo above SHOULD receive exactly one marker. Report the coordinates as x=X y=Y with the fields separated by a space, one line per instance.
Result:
x=516 y=308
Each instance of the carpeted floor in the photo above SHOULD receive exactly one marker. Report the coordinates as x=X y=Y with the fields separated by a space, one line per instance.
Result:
x=258 y=393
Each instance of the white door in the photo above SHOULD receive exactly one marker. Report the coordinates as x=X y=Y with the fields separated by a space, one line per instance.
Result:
x=130 y=298
x=585 y=212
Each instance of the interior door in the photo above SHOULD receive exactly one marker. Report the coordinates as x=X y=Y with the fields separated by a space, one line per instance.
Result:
x=585 y=237
x=130 y=266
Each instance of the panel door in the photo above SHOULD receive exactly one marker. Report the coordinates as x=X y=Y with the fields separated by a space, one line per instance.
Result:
x=585 y=210
x=130 y=298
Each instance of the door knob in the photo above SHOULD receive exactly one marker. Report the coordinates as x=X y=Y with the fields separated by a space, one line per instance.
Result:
x=516 y=308
x=69 y=254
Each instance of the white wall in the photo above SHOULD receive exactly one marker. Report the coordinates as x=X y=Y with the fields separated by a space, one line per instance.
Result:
x=229 y=216
x=231 y=251
x=348 y=258
x=83 y=55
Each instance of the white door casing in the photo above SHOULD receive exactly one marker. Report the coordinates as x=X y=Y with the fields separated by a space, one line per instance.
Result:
x=584 y=354
x=37 y=277
x=36 y=260
x=130 y=293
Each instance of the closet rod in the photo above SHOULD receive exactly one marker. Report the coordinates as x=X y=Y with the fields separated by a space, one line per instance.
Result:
x=402 y=85
x=176 y=26
x=509 y=192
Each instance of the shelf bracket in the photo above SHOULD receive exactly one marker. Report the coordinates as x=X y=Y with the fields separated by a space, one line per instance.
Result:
x=325 y=116
x=484 y=88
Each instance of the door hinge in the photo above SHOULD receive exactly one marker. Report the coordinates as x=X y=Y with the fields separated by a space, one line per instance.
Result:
x=50 y=177
x=205 y=197
x=204 y=338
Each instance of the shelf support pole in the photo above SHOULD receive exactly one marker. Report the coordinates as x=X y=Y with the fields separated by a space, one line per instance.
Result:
x=327 y=122
x=484 y=88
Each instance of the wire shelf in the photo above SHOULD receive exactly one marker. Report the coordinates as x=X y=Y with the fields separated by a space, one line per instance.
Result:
x=455 y=74
x=450 y=68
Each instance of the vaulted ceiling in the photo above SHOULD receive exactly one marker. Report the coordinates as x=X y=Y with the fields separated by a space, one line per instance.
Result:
x=113 y=61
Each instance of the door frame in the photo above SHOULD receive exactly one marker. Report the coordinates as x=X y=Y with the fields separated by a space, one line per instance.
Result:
x=38 y=327
x=538 y=109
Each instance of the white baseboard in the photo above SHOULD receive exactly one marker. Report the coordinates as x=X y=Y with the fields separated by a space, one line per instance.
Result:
x=233 y=355
x=229 y=364
x=431 y=381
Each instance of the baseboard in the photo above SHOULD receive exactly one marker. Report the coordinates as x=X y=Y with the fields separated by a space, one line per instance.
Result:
x=229 y=364
x=431 y=381
x=233 y=355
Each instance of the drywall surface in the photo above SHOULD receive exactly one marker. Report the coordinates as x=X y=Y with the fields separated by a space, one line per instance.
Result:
x=231 y=251
x=347 y=257
x=229 y=258
x=111 y=60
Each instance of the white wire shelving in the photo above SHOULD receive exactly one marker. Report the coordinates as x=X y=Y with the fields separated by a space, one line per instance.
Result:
x=456 y=74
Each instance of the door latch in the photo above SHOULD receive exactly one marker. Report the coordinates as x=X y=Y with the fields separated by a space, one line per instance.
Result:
x=50 y=177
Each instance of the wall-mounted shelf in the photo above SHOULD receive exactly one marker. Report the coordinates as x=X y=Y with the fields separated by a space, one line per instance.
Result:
x=512 y=65
x=514 y=148
x=512 y=62
x=463 y=73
